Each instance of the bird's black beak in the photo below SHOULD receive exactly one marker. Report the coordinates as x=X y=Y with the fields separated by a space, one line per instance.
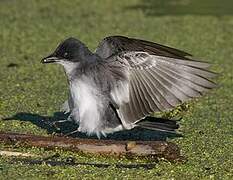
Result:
x=50 y=59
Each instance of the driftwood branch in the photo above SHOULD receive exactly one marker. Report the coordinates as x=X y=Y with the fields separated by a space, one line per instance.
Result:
x=152 y=149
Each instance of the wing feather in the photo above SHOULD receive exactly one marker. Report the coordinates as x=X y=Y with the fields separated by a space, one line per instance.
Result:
x=166 y=88
x=158 y=77
x=115 y=44
x=159 y=85
x=135 y=98
x=181 y=90
x=144 y=93
x=156 y=97
x=141 y=98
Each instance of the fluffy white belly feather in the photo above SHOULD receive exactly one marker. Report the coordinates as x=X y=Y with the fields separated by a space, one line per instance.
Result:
x=87 y=109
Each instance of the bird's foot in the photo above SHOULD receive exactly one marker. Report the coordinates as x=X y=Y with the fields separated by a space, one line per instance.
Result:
x=55 y=123
x=69 y=119
x=73 y=132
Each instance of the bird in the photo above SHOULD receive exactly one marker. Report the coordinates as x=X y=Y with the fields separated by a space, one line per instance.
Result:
x=125 y=80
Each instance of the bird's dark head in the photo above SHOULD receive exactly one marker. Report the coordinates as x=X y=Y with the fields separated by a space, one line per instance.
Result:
x=70 y=50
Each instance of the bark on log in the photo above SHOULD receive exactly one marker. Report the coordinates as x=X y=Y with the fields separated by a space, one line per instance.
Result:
x=151 y=149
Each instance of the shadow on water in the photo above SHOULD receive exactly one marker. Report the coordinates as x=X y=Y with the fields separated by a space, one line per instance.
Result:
x=185 y=7
x=47 y=122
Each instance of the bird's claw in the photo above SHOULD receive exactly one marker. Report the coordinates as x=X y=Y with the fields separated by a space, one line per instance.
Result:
x=73 y=132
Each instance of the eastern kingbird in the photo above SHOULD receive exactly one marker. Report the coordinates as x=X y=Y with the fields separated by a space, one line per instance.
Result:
x=125 y=80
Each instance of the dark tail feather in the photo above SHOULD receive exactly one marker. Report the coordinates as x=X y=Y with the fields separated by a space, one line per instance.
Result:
x=159 y=124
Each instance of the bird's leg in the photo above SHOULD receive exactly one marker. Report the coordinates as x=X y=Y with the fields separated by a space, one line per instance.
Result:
x=69 y=119
x=70 y=133
x=74 y=116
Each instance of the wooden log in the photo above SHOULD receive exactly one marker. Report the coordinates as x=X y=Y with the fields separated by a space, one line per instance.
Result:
x=151 y=149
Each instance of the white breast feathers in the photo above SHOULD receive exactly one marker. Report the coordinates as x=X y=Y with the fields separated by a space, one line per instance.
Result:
x=88 y=106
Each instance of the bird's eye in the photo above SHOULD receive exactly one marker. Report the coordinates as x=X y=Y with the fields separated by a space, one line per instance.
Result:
x=65 y=54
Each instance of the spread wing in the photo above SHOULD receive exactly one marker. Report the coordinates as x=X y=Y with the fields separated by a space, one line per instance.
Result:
x=156 y=83
x=158 y=77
